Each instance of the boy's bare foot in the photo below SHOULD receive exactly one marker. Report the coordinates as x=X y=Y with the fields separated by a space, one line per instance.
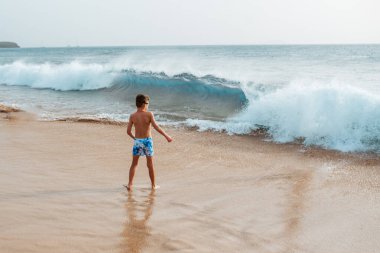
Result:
x=129 y=187
x=155 y=187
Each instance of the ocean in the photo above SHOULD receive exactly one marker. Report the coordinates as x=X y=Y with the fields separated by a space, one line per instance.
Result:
x=321 y=95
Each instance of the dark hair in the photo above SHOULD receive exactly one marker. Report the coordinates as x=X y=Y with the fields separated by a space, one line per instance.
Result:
x=141 y=99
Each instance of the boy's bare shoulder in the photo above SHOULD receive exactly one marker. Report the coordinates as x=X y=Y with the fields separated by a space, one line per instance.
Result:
x=137 y=115
x=133 y=116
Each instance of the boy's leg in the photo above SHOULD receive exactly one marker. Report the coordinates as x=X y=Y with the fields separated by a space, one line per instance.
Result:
x=132 y=170
x=149 y=163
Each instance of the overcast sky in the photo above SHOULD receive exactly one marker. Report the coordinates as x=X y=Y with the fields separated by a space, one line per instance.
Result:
x=34 y=23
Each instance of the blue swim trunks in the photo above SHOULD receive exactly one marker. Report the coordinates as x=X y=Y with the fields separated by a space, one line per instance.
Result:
x=143 y=147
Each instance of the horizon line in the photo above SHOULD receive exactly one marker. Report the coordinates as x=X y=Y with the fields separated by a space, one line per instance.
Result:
x=206 y=45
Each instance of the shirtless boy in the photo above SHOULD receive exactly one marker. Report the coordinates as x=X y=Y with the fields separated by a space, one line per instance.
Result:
x=142 y=119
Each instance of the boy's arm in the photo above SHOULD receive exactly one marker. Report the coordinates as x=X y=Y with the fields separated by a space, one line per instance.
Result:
x=158 y=129
x=129 y=128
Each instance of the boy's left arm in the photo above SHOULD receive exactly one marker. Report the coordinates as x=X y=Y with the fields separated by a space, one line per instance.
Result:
x=158 y=129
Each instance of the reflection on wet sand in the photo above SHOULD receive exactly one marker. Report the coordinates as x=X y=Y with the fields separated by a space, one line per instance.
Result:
x=297 y=201
x=136 y=230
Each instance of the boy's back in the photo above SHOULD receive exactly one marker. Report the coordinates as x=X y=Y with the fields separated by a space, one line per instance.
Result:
x=142 y=121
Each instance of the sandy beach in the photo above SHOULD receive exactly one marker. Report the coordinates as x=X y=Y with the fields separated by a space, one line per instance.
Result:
x=61 y=190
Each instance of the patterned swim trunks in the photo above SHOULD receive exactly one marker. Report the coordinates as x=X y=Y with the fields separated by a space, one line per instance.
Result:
x=143 y=147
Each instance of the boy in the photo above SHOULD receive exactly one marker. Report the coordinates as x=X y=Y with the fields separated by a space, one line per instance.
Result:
x=143 y=144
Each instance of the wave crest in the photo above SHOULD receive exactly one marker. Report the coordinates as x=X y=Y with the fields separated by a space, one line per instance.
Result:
x=185 y=92
x=62 y=77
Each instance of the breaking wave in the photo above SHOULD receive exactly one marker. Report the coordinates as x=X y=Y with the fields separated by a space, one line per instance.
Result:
x=217 y=96
x=328 y=114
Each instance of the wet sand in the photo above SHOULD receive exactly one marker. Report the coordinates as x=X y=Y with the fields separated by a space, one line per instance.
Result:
x=61 y=191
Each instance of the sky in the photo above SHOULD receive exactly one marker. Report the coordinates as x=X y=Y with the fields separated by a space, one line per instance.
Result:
x=54 y=23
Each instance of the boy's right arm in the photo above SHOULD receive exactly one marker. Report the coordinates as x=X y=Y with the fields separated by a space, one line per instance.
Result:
x=158 y=129
x=129 y=128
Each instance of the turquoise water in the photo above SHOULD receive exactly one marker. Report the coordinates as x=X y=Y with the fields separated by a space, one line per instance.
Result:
x=328 y=95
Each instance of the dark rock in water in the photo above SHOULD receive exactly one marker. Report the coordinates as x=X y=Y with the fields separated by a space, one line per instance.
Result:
x=7 y=109
x=5 y=44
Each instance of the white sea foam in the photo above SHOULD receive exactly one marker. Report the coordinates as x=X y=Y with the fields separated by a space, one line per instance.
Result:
x=67 y=76
x=331 y=115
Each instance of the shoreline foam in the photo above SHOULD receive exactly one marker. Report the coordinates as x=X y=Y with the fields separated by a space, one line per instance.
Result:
x=261 y=132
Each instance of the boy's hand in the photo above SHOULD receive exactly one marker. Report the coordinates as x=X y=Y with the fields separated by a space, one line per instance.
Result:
x=169 y=139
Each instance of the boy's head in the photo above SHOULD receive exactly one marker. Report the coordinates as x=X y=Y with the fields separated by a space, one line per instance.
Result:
x=141 y=100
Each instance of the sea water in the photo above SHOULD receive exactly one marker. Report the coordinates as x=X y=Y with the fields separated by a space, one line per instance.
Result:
x=325 y=95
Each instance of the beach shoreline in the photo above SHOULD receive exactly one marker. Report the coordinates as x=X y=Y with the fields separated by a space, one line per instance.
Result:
x=61 y=190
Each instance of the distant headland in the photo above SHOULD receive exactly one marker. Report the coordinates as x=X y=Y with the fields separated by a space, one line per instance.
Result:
x=6 y=44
